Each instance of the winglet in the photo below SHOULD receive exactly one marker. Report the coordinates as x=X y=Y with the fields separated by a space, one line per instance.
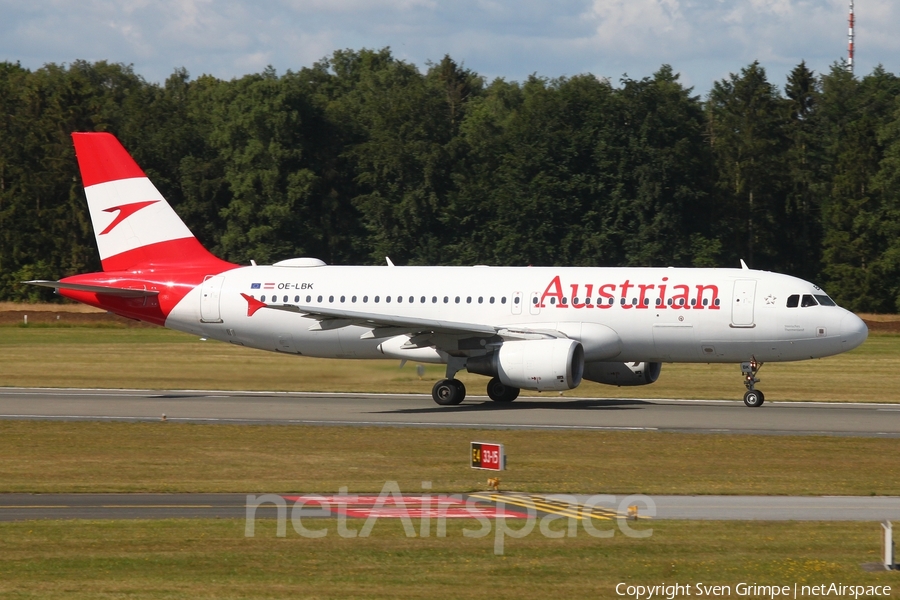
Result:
x=744 y=265
x=253 y=305
x=390 y=263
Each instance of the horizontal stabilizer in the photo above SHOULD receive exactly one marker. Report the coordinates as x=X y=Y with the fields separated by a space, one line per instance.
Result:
x=97 y=289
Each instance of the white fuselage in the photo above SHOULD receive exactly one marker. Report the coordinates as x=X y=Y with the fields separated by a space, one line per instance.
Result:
x=659 y=314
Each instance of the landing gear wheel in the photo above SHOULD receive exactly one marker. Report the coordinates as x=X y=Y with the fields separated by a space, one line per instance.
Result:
x=754 y=398
x=500 y=392
x=448 y=392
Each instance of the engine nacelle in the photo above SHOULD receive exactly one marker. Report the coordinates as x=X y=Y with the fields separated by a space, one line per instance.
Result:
x=540 y=365
x=617 y=373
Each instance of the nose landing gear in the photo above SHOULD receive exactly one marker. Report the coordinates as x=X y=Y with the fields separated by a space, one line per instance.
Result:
x=753 y=397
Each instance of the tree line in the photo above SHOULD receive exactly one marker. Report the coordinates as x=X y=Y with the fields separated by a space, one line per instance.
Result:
x=363 y=156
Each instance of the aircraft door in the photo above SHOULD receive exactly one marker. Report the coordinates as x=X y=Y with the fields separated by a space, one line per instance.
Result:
x=515 y=303
x=742 y=303
x=210 y=294
x=534 y=305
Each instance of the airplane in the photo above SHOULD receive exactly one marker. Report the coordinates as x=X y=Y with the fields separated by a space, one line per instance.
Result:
x=532 y=328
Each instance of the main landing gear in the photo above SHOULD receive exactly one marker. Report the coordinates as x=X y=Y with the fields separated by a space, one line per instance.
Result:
x=447 y=392
x=450 y=391
x=753 y=397
x=500 y=392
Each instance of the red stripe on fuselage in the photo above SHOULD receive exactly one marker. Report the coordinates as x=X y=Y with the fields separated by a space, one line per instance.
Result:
x=173 y=268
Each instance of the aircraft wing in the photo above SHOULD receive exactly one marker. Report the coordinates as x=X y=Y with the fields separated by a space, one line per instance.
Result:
x=382 y=325
x=97 y=289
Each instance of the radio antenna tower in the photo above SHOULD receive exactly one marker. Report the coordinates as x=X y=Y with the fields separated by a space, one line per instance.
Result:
x=850 y=41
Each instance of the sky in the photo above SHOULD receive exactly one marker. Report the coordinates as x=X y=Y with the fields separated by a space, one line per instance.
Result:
x=703 y=40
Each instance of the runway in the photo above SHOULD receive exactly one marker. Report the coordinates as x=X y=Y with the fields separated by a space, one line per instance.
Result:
x=694 y=416
x=22 y=507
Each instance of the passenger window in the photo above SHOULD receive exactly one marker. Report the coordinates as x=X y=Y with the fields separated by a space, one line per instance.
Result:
x=793 y=301
x=480 y=299
x=422 y=300
x=365 y=299
x=262 y=298
x=534 y=300
x=309 y=298
x=331 y=298
x=825 y=300
x=343 y=298
x=808 y=300
x=517 y=299
x=446 y=299
x=492 y=300
x=353 y=299
x=285 y=299
x=377 y=299
x=503 y=300
x=320 y=299
x=457 y=299
x=399 y=299
x=552 y=300
x=469 y=300
x=434 y=299
x=386 y=299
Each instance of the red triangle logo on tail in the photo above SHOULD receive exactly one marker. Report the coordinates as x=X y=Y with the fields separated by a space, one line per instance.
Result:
x=125 y=211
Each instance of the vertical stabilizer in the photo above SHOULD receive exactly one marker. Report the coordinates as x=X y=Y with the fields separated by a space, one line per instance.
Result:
x=133 y=223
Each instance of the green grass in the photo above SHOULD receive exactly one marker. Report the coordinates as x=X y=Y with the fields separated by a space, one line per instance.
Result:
x=156 y=358
x=42 y=456
x=213 y=559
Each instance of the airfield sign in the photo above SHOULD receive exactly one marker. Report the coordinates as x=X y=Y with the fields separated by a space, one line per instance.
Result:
x=488 y=456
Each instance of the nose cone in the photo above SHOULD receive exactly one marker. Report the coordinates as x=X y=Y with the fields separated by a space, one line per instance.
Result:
x=853 y=332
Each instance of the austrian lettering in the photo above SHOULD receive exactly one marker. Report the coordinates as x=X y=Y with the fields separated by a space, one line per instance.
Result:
x=660 y=295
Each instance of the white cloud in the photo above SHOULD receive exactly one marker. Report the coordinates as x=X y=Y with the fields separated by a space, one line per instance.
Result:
x=702 y=39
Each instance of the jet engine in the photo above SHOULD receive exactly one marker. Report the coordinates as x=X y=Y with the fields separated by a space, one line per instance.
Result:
x=555 y=364
x=617 y=373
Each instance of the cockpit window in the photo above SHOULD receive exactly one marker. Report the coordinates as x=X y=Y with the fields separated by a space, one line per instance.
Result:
x=808 y=300
x=793 y=301
x=825 y=300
